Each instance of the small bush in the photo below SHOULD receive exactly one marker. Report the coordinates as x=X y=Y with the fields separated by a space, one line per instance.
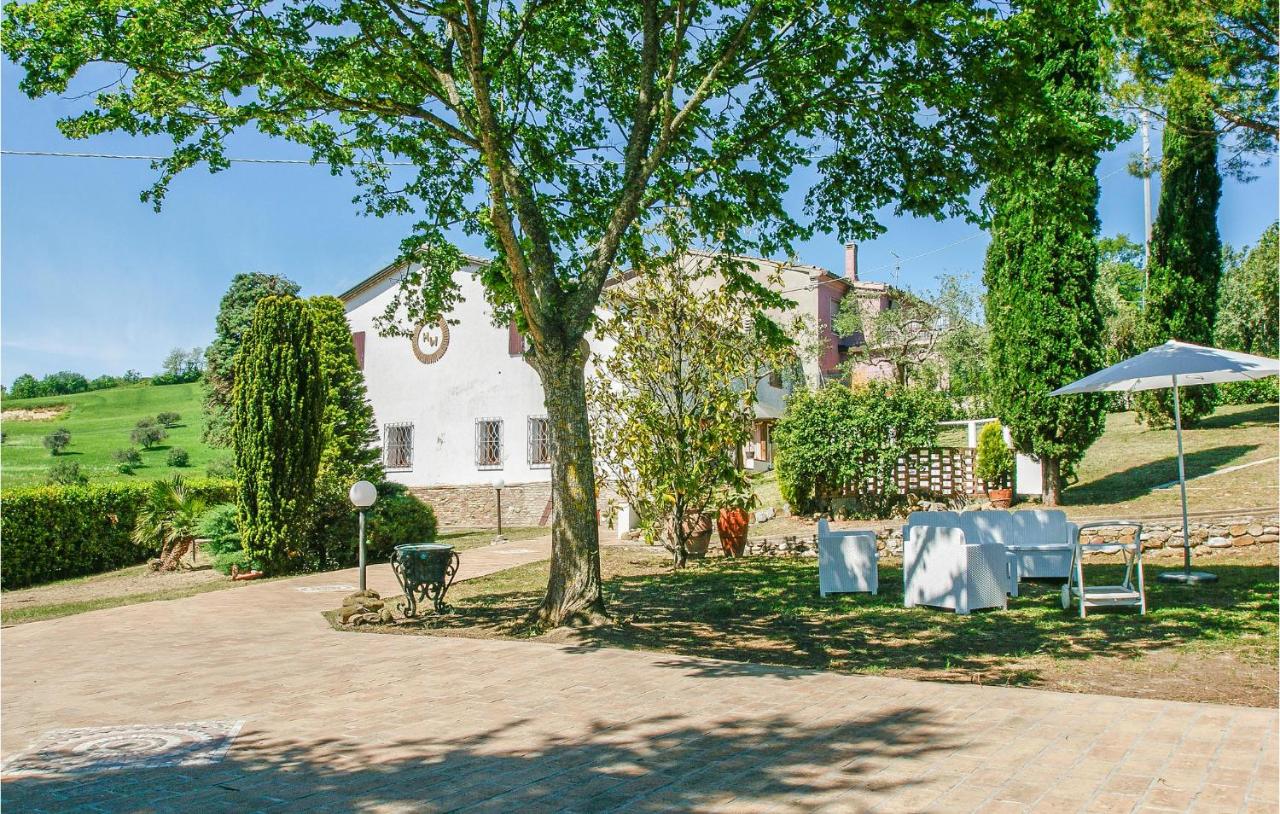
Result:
x=145 y=422
x=221 y=533
x=66 y=473
x=168 y=419
x=57 y=440
x=995 y=462
x=1262 y=391
x=148 y=435
x=397 y=518
x=127 y=460
x=222 y=468
x=58 y=532
x=178 y=457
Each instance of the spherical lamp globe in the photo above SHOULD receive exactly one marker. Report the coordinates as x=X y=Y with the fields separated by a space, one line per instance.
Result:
x=363 y=494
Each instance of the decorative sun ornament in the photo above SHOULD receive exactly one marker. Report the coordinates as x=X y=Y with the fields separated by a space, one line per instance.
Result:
x=430 y=341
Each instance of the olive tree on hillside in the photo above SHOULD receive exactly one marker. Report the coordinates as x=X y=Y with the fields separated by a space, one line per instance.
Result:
x=555 y=131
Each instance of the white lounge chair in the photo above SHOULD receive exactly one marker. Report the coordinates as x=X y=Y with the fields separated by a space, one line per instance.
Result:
x=1106 y=596
x=847 y=561
x=940 y=568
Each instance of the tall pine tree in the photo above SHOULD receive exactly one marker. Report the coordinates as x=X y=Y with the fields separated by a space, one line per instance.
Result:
x=277 y=430
x=1186 y=253
x=1043 y=260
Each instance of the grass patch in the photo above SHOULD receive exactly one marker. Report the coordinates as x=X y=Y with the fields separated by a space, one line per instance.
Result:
x=100 y=423
x=38 y=613
x=768 y=611
x=463 y=538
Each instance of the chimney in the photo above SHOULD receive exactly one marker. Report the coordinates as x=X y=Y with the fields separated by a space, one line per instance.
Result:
x=851 y=261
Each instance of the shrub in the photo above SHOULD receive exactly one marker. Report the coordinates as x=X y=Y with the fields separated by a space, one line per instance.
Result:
x=127 y=460
x=1262 y=391
x=145 y=422
x=840 y=439
x=168 y=419
x=222 y=539
x=221 y=468
x=178 y=457
x=395 y=519
x=57 y=532
x=66 y=472
x=57 y=440
x=995 y=462
x=148 y=435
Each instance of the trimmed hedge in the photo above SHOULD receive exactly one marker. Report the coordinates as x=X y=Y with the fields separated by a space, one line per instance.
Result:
x=57 y=532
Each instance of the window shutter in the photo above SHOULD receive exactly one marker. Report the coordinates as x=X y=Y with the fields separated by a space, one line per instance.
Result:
x=357 y=341
x=515 y=342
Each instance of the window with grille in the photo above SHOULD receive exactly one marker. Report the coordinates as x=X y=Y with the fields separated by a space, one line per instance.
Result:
x=489 y=443
x=397 y=446
x=539 y=441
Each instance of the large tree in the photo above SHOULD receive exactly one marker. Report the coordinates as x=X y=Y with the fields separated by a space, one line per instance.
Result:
x=1216 y=56
x=554 y=130
x=277 y=430
x=1186 y=256
x=1043 y=259
x=235 y=315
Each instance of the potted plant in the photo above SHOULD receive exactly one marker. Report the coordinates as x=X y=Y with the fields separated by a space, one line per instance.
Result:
x=697 y=532
x=734 y=518
x=995 y=465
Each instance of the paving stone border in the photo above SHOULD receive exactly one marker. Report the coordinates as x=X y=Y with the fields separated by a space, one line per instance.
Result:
x=1159 y=536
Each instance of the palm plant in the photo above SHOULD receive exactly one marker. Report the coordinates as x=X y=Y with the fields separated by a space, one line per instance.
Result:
x=168 y=521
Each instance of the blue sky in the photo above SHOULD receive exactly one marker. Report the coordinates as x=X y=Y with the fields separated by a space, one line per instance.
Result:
x=94 y=281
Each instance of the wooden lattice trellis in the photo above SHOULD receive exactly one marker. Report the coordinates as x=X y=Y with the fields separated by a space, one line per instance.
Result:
x=944 y=471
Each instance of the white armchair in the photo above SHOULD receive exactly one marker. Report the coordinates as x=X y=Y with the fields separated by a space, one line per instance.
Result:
x=847 y=561
x=941 y=569
x=1042 y=543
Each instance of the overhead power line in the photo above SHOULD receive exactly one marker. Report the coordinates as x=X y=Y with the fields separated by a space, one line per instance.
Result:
x=302 y=161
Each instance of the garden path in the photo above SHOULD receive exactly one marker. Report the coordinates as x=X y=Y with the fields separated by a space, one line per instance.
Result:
x=332 y=721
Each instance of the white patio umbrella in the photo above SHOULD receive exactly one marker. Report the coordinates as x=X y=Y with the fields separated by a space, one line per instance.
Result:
x=1176 y=364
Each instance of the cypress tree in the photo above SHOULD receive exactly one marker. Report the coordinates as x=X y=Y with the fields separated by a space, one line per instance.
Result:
x=277 y=430
x=1186 y=254
x=1041 y=266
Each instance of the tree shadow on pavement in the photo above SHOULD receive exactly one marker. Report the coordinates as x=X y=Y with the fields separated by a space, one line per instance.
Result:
x=649 y=764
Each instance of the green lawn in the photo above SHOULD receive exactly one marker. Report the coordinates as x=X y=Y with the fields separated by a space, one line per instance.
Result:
x=768 y=611
x=100 y=423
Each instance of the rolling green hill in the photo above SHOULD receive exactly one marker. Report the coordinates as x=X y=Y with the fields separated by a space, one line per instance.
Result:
x=100 y=423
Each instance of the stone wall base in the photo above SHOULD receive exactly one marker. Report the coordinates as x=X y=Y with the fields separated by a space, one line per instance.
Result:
x=476 y=506
x=1236 y=532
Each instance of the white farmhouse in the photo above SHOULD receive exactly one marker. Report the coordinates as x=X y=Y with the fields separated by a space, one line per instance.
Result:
x=459 y=409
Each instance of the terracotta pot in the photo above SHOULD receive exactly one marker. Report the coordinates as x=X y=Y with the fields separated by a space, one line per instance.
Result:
x=698 y=530
x=732 y=526
x=1000 y=498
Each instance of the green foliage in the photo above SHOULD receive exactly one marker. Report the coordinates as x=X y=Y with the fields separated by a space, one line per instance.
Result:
x=668 y=404
x=1263 y=391
x=838 y=439
x=168 y=418
x=218 y=527
x=1042 y=263
x=170 y=513
x=66 y=473
x=235 y=315
x=277 y=430
x=181 y=366
x=62 y=383
x=148 y=433
x=1186 y=258
x=396 y=518
x=1215 y=55
x=1248 y=317
x=178 y=457
x=127 y=460
x=57 y=441
x=221 y=468
x=57 y=532
x=995 y=462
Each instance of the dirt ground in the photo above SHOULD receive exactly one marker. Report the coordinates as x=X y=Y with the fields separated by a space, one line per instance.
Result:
x=139 y=579
x=32 y=414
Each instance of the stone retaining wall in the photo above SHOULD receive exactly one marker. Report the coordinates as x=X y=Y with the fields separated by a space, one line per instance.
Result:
x=523 y=504
x=1161 y=536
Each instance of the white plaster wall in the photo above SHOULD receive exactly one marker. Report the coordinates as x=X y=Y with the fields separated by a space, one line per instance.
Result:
x=476 y=378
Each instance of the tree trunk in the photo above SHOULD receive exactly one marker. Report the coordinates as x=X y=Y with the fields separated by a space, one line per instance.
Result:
x=573 y=590
x=1051 y=481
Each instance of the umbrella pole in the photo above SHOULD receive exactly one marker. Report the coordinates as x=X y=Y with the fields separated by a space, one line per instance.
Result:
x=1186 y=575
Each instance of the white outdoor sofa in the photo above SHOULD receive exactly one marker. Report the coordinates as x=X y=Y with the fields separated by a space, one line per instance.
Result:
x=848 y=561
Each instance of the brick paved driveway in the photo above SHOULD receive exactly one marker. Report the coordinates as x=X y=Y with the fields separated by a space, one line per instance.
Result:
x=351 y=722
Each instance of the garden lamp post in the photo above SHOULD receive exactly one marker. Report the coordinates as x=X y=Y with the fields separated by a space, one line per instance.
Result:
x=497 y=486
x=363 y=495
